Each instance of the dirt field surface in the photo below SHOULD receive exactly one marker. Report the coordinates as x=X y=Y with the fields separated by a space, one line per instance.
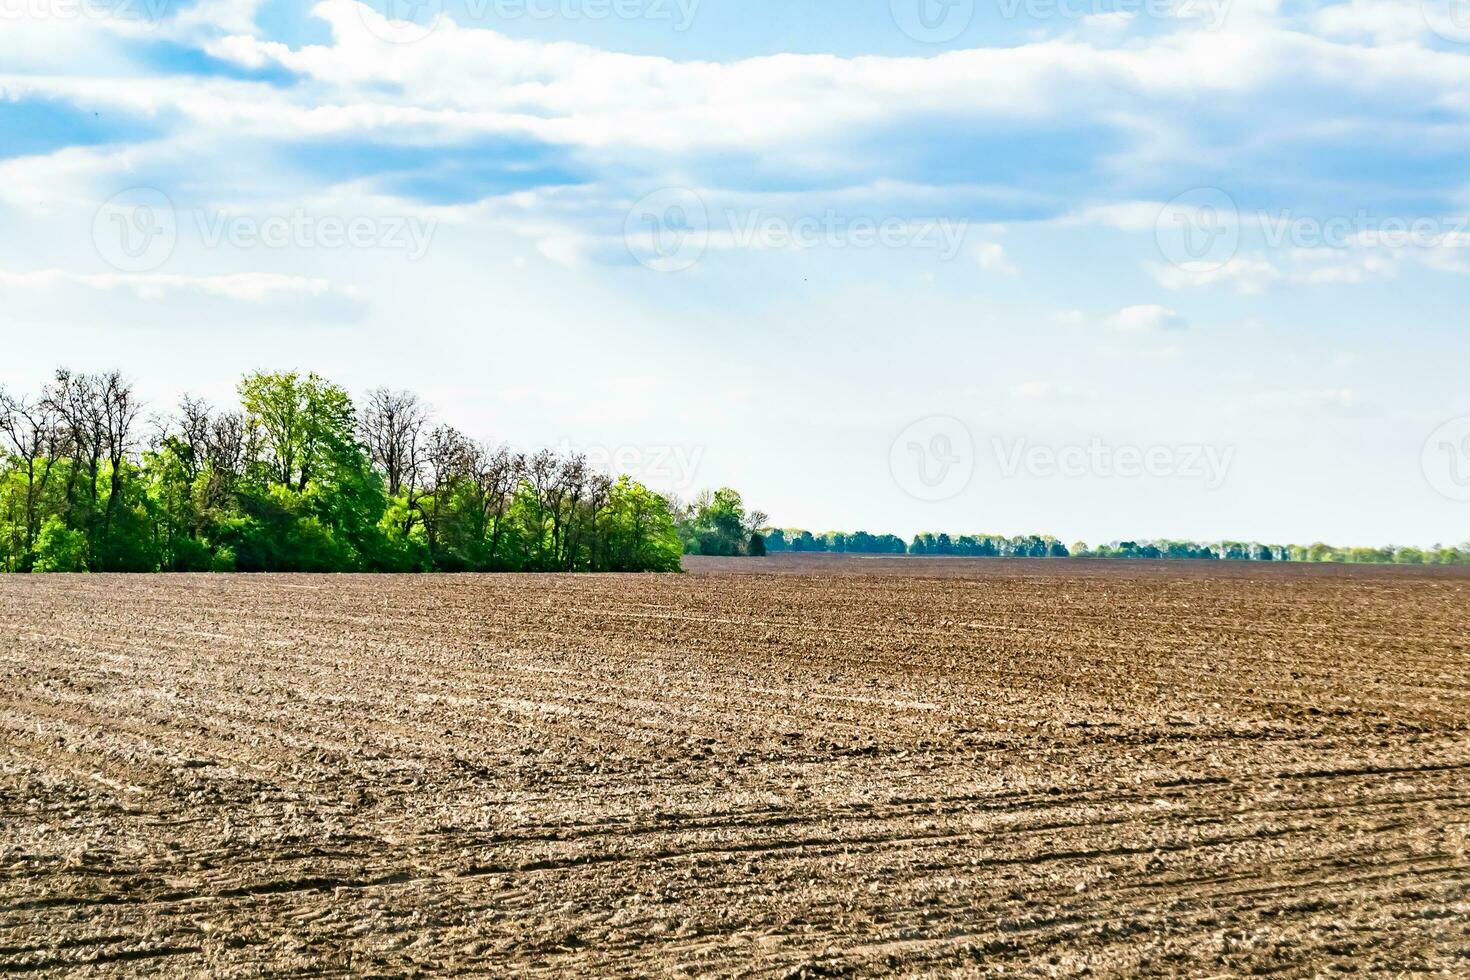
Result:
x=790 y=767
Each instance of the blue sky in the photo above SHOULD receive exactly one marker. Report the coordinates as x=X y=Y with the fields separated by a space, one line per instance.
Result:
x=880 y=265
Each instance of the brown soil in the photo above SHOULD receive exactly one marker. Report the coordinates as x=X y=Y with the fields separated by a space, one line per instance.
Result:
x=797 y=766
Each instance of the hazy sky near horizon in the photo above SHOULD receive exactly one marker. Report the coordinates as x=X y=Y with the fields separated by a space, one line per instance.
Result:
x=1105 y=269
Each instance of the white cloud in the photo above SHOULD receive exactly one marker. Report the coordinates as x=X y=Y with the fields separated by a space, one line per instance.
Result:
x=1050 y=392
x=1145 y=318
x=1379 y=21
x=1334 y=266
x=245 y=287
x=1122 y=216
x=1110 y=22
x=1366 y=259
x=460 y=82
x=1140 y=318
x=568 y=250
x=1314 y=401
x=1247 y=275
x=991 y=257
x=232 y=17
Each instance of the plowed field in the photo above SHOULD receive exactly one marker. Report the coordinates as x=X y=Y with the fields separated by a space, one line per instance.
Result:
x=785 y=767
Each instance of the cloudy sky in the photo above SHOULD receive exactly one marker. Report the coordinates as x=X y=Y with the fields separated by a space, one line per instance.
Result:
x=1098 y=268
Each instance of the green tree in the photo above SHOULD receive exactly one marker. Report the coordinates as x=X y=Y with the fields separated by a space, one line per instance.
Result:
x=638 y=529
x=60 y=548
x=717 y=524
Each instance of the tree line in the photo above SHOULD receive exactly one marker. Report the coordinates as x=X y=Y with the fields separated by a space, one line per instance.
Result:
x=298 y=478
x=859 y=542
x=717 y=523
x=1046 y=546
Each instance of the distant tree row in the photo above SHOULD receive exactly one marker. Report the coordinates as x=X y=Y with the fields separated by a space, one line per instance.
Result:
x=989 y=546
x=1254 y=551
x=1045 y=546
x=858 y=542
x=297 y=478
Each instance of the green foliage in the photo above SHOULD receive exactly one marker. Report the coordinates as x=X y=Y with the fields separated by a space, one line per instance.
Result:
x=223 y=559
x=717 y=524
x=59 y=548
x=639 y=530
x=296 y=482
x=779 y=540
x=858 y=542
x=306 y=427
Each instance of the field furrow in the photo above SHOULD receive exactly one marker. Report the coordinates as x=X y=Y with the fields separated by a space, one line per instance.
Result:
x=796 y=767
